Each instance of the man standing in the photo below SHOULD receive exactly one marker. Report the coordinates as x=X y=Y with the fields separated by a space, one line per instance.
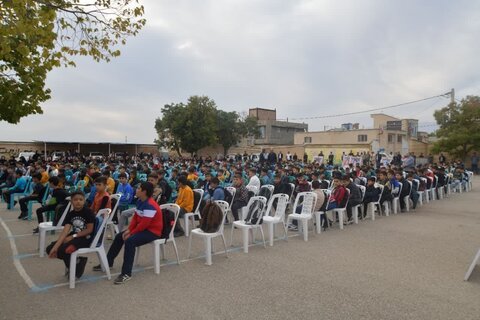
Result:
x=146 y=226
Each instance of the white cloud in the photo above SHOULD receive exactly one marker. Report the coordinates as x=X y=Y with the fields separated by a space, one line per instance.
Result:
x=305 y=58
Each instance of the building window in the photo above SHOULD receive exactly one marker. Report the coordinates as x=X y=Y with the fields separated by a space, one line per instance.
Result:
x=362 y=137
x=307 y=140
x=391 y=138
x=399 y=138
x=261 y=130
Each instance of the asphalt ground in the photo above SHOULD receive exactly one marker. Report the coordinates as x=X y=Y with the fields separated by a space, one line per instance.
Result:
x=405 y=266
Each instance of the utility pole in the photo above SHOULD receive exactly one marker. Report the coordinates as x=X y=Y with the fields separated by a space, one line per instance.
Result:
x=452 y=95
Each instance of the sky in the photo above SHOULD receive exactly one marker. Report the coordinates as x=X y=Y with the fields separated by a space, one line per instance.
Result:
x=305 y=58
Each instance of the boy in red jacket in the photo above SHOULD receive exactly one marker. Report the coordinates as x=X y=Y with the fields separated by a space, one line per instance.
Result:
x=145 y=227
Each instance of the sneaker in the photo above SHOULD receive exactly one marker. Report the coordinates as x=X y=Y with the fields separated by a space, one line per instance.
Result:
x=121 y=279
x=21 y=216
x=82 y=262
x=98 y=267
x=292 y=227
x=35 y=230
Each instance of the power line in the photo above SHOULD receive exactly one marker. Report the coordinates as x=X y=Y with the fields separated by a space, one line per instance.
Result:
x=369 y=110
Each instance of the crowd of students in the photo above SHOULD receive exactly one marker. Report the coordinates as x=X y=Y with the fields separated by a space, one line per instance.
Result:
x=150 y=182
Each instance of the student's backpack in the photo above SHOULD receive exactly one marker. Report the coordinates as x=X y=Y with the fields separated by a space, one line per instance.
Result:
x=265 y=192
x=212 y=217
x=255 y=212
x=168 y=222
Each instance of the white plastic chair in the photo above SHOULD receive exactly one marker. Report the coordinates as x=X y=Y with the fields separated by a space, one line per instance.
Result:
x=476 y=259
x=26 y=192
x=270 y=188
x=209 y=236
x=44 y=227
x=252 y=189
x=308 y=205
x=158 y=245
x=376 y=204
x=433 y=189
x=396 y=200
x=359 y=207
x=279 y=216
x=191 y=215
x=95 y=247
x=406 y=198
x=232 y=191
x=110 y=225
x=250 y=224
x=425 y=192
x=420 y=197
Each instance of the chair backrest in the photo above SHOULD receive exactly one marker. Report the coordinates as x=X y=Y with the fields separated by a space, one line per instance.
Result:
x=309 y=201
x=255 y=209
x=266 y=191
x=232 y=191
x=199 y=194
x=382 y=187
x=175 y=208
x=292 y=191
x=224 y=206
x=252 y=189
x=411 y=187
x=100 y=226
x=46 y=193
x=117 y=197
x=416 y=183
x=362 y=190
x=399 y=190
x=64 y=214
x=348 y=198
x=281 y=200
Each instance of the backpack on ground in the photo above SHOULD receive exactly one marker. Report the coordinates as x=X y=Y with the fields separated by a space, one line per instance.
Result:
x=212 y=217
x=255 y=212
x=168 y=222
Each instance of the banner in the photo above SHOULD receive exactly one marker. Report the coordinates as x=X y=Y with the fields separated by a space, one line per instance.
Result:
x=318 y=159
x=347 y=160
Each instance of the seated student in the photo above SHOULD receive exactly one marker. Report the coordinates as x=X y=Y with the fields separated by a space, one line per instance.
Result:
x=414 y=195
x=153 y=179
x=241 y=197
x=58 y=199
x=264 y=178
x=185 y=201
x=405 y=189
x=19 y=186
x=164 y=186
x=253 y=179
x=93 y=190
x=371 y=194
x=102 y=197
x=355 y=197
x=110 y=182
x=36 y=195
x=338 y=196
x=77 y=233
x=215 y=192
x=145 y=227
x=302 y=184
x=281 y=186
x=126 y=191
x=387 y=191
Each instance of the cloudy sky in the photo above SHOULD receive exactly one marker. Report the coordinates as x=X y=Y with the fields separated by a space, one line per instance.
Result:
x=305 y=58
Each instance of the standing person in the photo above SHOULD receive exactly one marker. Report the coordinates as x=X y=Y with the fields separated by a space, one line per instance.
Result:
x=272 y=157
x=475 y=163
x=330 y=158
x=441 y=158
x=146 y=226
x=77 y=233
x=280 y=156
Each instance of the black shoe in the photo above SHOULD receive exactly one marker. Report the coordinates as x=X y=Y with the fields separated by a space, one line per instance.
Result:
x=20 y=217
x=82 y=262
x=35 y=230
x=121 y=279
x=98 y=267
x=178 y=233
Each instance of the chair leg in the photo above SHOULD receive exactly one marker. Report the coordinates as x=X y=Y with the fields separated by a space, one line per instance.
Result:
x=176 y=250
x=187 y=225
x=472 y=266
x=137 y=253
x=263 y=237
x=245 y=239
x=271 y=230
x=189 y=246
x=224 y=244
x=231 y=235
x=156 y=257
x=340 y=219
x=41 y=242
x=102 y=256
x=355 y=214
x=72 y=269
x=208 y=251
x=305 y=229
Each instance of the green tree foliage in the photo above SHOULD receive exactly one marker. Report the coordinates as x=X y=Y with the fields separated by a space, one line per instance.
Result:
x=231 y=129
x=189 y=127
x=39 y=35
x=459 y=131
x=198 y=124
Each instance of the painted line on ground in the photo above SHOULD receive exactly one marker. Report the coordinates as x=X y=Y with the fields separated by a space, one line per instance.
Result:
x=19 y=235
x=17 y=262
x=45 y=286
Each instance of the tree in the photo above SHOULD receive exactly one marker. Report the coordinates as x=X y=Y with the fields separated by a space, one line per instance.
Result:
x=459 y=131
x=231 y=128
x=189 y=127
x=39 y=35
